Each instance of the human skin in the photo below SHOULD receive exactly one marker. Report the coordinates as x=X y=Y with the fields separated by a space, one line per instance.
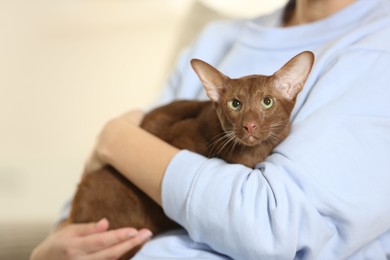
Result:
x=89 y=241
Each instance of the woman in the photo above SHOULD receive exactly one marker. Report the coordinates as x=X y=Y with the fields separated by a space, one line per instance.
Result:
x=322 y=194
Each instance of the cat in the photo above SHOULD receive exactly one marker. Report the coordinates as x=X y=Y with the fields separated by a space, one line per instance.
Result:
x=242 y=122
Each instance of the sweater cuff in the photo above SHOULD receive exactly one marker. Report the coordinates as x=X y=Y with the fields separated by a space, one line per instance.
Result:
x=180 y=175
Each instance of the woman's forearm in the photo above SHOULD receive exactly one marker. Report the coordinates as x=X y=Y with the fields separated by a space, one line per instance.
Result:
x=138 y=155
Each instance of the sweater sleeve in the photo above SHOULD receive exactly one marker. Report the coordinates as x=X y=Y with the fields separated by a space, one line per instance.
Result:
x=315 y=195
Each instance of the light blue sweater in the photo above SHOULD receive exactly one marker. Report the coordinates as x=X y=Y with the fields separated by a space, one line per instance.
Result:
x=324 y=193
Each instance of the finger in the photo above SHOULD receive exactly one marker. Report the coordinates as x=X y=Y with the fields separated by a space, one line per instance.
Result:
x=88 y=228
x=100 y=241
x=118 y=250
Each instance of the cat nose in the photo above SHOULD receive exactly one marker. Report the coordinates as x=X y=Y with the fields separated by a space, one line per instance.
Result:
x=250 y=127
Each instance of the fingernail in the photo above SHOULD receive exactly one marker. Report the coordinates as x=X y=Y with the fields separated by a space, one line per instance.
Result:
x=132 y=233
x=102 y=219
x=145 y=235
x=101 y=222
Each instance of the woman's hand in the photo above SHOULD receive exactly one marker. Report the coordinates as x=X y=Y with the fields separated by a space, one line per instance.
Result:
x=96 y=160
x=89 y=241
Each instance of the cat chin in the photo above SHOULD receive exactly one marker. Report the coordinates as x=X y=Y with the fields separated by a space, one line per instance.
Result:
x=249 y=141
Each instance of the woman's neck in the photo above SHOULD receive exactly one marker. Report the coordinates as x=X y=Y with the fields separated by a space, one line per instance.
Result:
x=300 y=12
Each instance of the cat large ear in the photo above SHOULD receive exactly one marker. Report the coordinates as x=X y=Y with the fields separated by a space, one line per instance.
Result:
x=291 y=78
x=212 y=80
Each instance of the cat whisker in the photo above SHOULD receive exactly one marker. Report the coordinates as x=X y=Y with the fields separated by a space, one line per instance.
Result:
x=243 y=147
x=273 y=139
x=218 y=136
x=279 y=125
x=215 y=140
x=219 y=143
x=235 y=143
x=230 y=138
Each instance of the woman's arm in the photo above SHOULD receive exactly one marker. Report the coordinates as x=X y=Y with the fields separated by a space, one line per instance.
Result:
x=138 y=155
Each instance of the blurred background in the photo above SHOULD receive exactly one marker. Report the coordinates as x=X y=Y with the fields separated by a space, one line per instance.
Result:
x=66 y=67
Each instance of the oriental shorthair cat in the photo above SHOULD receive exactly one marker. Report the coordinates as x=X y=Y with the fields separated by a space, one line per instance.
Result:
x=242 y=122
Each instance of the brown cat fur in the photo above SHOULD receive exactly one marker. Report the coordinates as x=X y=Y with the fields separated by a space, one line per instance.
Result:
x=235 y=126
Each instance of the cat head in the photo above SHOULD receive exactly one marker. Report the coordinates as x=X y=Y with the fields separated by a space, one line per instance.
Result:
x=256 y=108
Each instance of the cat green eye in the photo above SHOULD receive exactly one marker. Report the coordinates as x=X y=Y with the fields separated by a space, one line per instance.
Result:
x=267 y=102
x=234 y=105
